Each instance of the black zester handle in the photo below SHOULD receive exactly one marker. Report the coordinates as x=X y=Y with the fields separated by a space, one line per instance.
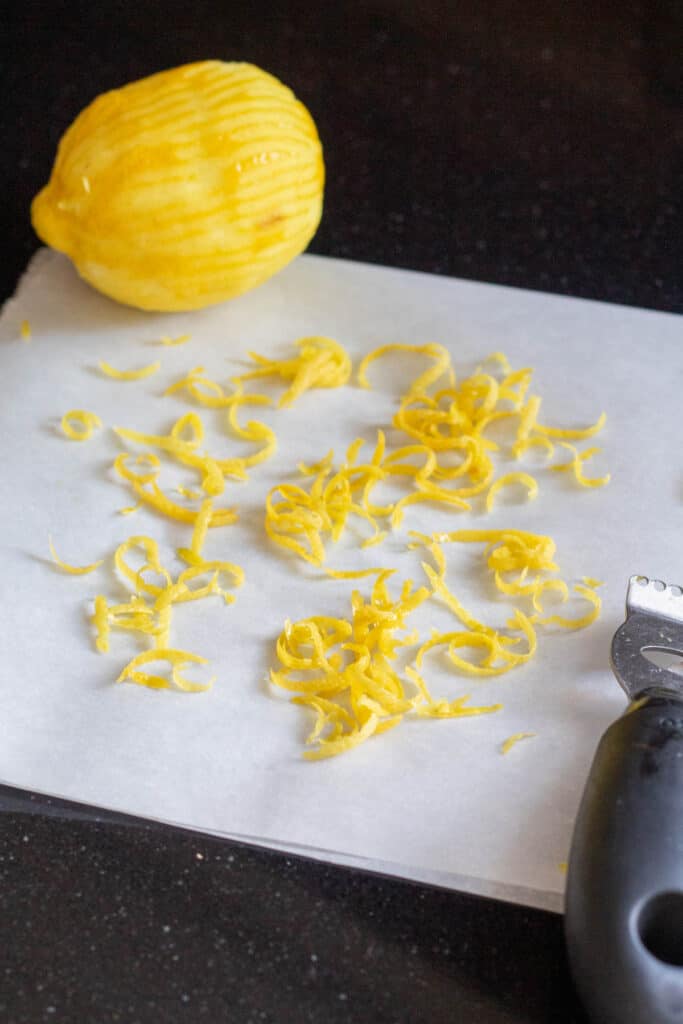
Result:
x=624 y=902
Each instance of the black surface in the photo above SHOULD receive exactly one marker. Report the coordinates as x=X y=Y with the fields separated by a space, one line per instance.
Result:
x=528 y=143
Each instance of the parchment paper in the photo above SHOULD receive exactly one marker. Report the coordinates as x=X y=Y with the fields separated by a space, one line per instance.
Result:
x=430 y=800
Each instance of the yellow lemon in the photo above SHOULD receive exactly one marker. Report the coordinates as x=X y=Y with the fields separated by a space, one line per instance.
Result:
x=185 y=188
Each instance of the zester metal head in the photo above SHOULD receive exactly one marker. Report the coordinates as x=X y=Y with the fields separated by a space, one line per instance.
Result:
x=654 y=623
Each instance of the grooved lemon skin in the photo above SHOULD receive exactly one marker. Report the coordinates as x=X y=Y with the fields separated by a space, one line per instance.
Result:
x=185 y=188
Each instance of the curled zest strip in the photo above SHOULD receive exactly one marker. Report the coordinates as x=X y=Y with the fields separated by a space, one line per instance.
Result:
x=507 y=481
x=320 y=363
x=144 y=371
x=572 y=435
x=507 y=745
x=72 y=570
x=585 y=620
x=440 y=355
x=181 y=340
x=458 y=708
x=177 y=659
x=78 y=424
x=576 y=466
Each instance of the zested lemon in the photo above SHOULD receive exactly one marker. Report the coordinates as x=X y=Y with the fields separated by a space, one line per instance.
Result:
x=185 y=188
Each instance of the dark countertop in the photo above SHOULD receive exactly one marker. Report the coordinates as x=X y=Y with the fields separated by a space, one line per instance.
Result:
x=517 y=141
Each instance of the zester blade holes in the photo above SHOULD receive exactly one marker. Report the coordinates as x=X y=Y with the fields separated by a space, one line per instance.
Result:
x=665 y=658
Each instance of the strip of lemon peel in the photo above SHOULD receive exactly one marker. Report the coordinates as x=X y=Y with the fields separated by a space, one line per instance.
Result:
x=343 y=670
x=576 y=466
x=78 y=424
x=183 y=449
x=144 y=371
x=72 y=570
x=177 y=659
x=583 y=621
x=180 y=340
x=155 y=497
x=458 y=708
x=25 y=330
x=440 y=355
x=320 y=363
x=507 y=745
x=508 y=480
x=573 y=435
x=129 y=509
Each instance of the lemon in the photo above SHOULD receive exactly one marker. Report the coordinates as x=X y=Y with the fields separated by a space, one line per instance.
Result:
x=185 y=188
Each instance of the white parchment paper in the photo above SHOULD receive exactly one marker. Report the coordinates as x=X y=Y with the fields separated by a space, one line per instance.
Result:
x=431 y=800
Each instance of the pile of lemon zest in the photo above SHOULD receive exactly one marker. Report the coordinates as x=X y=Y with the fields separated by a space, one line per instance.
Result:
x=506 y=481
x=101 y=623
x=507 y=745
x=320 y=363
x=572 y=435
x=177 y=659
x=73 y=570
x=348 y=676
x=576 y=465
x=586 y=620
x=180 y=340
x=145 y=371
x=87 y=422
x=129 y=509
x=25 y=330
x=440 y=355
x=201 y=525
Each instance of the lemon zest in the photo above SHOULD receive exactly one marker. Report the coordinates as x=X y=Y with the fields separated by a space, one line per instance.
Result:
x=320 y=363
x=585 y=620
x=78 y=424
x=72 y=570
x=180 y=340
x=458 y=708
x=188 y=492
x=144 y=371
x=201 y=525
x=129 y=509
x=576 y=466
x=571 y=434
x=507 y=480
x=177 y=659
x=507 y=745
x=25 y=330
x=342 y=669
x=440 y=355
x=101 y=623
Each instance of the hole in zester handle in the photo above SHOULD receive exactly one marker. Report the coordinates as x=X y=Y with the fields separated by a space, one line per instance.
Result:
x=660 y=927
x=665 y=657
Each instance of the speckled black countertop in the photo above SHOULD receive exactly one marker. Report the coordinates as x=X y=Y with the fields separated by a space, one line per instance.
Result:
x=516 y=141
